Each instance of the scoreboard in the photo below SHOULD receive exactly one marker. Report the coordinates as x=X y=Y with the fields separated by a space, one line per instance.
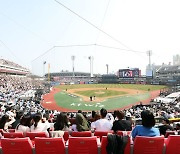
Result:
x=129 y=73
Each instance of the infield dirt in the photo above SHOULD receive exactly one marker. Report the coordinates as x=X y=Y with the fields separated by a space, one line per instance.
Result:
x=99 y=99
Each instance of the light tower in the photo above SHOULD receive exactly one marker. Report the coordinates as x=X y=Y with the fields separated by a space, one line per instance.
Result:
x=107 y=66
x=91 y=58
x=149 y=53
x=44 y=63
x=73 y=58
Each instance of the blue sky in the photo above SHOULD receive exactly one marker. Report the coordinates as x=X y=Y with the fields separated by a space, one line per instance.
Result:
x=30 y=28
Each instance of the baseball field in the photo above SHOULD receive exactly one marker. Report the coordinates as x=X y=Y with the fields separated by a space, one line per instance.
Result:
x=88 y=97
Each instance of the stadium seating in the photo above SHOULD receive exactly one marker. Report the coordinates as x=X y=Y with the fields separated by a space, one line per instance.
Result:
x=148 y=145
x=66 y=136
x=104 y=143
x=16 y=146
x=2 y=131
x=32 y=135
x=82 y=145
x=49 y=145
x=102 y=133
x=56 y=133
x=169 y=133
x=11 y=130
x=13 y=135
x=122 y=133
x=173 y=144
x=81 y=134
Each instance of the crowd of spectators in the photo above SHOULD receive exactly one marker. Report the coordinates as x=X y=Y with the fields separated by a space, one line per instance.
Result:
x=14 y=96
x=27 y=114
x=10 y=64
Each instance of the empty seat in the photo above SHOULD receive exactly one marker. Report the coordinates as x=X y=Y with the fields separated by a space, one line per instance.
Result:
x=13 y=135
x=32 y=135
x=148 y=145
x=81 y=134
x=101 y=133
x=104 y=142
x=49 y=145
x=83 y=145
x=16 y=146
x=173 y=144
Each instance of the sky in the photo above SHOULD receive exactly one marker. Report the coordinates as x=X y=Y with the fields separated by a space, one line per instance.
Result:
x=115 y=32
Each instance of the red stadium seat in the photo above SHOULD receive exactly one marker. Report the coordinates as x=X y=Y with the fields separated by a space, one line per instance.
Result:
x=101 y=133
x=49 y=145
x=16 y=146
x=169 y=133
x=148 y=145
x=2 y=131
x=66 y=136
x=11 y=130
x=122 y=133
x=104 y=143
x=72 y=121
x=81 y=134
x=173 y=144
x=83 y=145
x=13 y=135
x=32 y=135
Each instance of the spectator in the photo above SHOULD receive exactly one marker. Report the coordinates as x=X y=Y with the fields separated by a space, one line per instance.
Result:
x=96 y=117
x=178 y=126
x=81 y=123
x=23 y=126
x=103 y=124
x=38 y=126
x=3 y=122
x=147 y=127
x=110 y=118
x=19 y=115
x=166 y=126
x=45 y=121
x=121 y=123
x=62 y=122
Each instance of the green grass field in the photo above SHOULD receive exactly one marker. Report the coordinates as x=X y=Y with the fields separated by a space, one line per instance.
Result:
x=100 y=93
x=127 y=86
x=66 y=100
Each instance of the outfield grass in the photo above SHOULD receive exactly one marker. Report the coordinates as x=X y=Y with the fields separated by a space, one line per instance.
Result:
x=127 y=86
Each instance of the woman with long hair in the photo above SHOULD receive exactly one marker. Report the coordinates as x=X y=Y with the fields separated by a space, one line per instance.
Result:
x=62 y=122
x=38 y=126
x=3 y=121
x=24 y=125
